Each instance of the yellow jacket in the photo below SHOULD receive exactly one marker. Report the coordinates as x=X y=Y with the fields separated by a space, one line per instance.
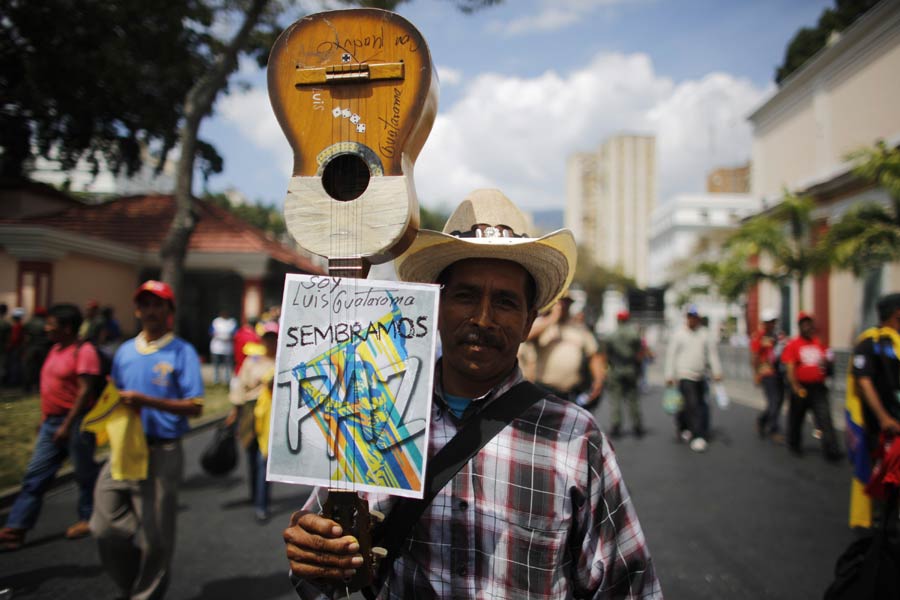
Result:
x=121 y=426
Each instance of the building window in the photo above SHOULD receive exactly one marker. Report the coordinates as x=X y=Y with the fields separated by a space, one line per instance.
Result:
x=34 y=285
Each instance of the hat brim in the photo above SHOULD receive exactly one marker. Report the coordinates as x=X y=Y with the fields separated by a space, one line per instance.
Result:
x=549 y=259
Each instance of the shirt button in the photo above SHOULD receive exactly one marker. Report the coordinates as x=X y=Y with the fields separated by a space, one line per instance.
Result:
x=463 y=505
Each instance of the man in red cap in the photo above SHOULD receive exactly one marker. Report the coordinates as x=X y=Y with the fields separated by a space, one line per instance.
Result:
x=624 y=354
x=808 y=361
x=158 y=374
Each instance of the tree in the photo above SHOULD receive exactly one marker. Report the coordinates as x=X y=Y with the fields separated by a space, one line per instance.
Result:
x=93 y=80
x=809 y=40
x=868 y=235
x=106 y=80
x=595 y=279
x=793 y=256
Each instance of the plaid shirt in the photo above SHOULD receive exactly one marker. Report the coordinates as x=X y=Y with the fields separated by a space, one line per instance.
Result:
x=540 y=512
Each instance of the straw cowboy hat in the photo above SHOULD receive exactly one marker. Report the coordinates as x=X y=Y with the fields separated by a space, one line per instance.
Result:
x=488 y=225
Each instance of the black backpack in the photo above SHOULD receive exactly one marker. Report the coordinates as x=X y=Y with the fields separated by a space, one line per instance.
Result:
x=869 y=569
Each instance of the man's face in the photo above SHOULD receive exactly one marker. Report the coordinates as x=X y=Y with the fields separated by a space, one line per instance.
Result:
x=483 y=317
x=807 y=328
x=693 y=321
x=894 y=320
x=769 y=327
x=53 y=330
x=153 y=312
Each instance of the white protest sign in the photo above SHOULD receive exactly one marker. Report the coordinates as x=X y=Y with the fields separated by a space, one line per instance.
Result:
x=353 y=384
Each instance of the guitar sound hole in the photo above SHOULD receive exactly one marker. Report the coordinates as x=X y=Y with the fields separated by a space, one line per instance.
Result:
x=346 y=177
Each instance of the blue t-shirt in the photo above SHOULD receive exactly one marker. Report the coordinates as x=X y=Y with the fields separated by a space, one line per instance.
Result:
x=457 y=404
x=171 y=371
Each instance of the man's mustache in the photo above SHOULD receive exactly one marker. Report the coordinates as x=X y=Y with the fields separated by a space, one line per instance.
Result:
x=480 y=337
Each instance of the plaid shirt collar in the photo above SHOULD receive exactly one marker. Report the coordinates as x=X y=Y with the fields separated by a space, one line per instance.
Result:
x=478 y=404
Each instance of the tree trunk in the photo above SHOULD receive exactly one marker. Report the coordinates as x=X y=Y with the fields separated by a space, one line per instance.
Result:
x=198 y=104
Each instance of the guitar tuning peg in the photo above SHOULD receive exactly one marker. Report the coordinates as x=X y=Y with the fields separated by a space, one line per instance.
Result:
x=377 y=515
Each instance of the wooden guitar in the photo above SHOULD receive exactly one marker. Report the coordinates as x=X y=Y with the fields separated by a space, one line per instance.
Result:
x=356 y=95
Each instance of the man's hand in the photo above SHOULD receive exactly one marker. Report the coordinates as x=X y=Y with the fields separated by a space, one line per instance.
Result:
x=317 y=549
x=800 y=391
x=131 y=398
x=61 y=436
x=889 y=424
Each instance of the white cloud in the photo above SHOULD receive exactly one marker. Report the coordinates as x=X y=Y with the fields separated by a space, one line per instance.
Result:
x=516 y=133
x=448 y=75
x=553 y=15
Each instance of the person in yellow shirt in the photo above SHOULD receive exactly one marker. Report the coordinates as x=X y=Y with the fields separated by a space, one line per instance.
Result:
x=255 y=375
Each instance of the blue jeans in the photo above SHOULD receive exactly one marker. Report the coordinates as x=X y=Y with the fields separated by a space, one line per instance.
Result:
x=225 y=363
x=695 y=415
x=45 y=462
x=258 y=484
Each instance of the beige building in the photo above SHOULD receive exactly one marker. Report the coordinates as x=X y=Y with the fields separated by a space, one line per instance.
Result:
x=610 y=195
x=733 y=180
x=846 y=97
x=54 y=248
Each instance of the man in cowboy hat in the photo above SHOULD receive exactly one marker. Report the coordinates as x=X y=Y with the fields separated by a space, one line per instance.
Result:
x=158 y=374
x=542 y=508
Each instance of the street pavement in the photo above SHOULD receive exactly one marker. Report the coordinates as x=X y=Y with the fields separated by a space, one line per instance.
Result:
x=745 y=520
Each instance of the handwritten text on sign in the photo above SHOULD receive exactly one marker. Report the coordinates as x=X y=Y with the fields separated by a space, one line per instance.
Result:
x=353 y=386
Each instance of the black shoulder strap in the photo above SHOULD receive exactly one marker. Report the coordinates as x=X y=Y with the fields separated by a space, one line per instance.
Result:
x=482 y=427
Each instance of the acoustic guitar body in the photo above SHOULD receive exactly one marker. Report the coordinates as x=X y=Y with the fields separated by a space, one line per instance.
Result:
x=356 y=95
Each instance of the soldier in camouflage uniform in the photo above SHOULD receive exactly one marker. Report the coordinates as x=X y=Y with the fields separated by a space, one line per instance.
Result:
x=624 y=353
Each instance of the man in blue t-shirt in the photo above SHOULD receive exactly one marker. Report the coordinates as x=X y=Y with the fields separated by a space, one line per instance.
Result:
x=158 y=374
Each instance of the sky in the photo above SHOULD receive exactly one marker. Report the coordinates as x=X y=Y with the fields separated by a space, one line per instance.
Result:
x=527 y=83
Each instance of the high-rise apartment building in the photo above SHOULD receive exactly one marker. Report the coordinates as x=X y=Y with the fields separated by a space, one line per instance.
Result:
x=610 y=195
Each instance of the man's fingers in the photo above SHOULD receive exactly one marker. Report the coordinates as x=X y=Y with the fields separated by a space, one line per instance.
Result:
x=313 y=523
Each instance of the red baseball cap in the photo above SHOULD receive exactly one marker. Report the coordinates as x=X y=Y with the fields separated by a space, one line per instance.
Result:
x=158 y=289
x=802 y=316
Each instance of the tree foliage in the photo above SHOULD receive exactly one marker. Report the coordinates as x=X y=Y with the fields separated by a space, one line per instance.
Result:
x=94 y=80
x=809 y=40
x=868 y=235
x=784 y=236
x=595 y=279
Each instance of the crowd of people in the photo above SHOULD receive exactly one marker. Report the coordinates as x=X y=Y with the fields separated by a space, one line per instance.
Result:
x=514 y=334
x=25 y=344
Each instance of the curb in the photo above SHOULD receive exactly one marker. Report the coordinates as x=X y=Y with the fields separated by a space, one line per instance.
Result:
x=67 y=473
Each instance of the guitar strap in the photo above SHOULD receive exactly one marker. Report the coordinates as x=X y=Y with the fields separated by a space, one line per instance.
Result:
x=480 y=429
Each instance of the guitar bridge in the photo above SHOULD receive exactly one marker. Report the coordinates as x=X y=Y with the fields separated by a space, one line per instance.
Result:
x=352 y=73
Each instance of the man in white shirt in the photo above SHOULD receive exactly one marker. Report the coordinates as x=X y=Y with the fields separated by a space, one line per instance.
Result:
x=690 y=354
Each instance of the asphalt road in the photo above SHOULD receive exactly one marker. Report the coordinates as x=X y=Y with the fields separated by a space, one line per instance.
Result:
x=746 y=520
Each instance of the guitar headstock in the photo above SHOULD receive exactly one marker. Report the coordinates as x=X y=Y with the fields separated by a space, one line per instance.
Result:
x=356 y=95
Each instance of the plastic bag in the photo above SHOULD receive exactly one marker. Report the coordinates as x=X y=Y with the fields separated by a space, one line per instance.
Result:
x=722 y=398
x=672 y=400
x=220 y=455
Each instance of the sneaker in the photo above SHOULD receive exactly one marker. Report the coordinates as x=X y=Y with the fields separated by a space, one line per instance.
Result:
x=639 y=431
x=698 y=445
x=262 y=516
x=686 y=435
x=817 y=433
x=78 y=530
x=11 y=539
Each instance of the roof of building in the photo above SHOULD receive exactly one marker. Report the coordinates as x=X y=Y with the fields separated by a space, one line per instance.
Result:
x=143 y=221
